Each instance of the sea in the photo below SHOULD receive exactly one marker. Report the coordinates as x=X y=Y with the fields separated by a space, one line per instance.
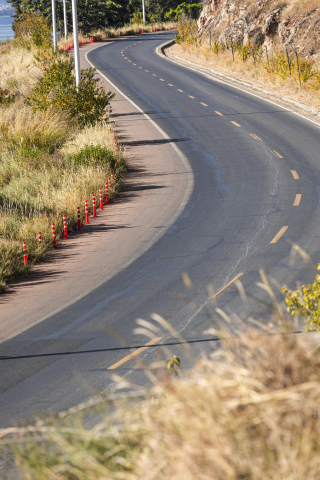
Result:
x=6 y=27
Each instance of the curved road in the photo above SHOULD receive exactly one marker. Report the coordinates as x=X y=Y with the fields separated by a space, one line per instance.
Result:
x=256 y=168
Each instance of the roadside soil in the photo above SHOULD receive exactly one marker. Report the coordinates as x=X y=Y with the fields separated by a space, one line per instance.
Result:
x=304 y=102
x=155 y=187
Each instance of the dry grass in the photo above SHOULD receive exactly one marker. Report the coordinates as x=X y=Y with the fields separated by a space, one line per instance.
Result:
x=18 y=69
x=248 y=72
x=252 y=411
x=91 y=135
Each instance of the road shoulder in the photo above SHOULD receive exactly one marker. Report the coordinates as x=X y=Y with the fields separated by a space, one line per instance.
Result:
x=157 y=186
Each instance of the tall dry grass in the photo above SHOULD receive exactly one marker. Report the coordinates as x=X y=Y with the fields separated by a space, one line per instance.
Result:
x=251 y=411
x=18 y=69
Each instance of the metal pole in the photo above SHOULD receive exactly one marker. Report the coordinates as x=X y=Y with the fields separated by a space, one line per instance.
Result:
x=65 y=19
x=144 y=12
x=75 y=40
x=54 y=27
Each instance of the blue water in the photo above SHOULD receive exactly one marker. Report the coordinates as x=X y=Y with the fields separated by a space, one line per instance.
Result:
x=5 y=27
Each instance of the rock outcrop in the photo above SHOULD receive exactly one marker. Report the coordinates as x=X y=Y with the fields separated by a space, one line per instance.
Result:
x=265 y=22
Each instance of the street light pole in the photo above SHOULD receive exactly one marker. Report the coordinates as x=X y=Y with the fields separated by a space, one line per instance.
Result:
x=54 y=26
x=65 y=19
x=75 y=40
x=144 y=12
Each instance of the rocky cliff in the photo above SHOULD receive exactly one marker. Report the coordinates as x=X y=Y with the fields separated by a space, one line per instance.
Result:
x=294 y=24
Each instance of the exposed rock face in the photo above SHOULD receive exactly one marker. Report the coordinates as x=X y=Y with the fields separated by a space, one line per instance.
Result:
x=265 y=22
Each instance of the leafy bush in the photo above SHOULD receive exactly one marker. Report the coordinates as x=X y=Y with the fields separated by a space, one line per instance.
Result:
x=6 y=97
x=93 y=155
x=193 y=10
x=57 y=89
x=305 y=302
x=34 y=26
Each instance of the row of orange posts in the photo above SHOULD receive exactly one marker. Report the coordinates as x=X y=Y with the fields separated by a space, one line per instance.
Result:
x=87 y=40
x=108 y=185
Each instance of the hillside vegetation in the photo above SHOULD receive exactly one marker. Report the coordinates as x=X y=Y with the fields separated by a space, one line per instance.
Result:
x=269 y=43
x=49 y=134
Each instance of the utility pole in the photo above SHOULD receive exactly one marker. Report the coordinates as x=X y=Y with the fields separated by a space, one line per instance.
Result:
x=65 y=19
x=54 y=26
x=144 y=12
x=75 y=40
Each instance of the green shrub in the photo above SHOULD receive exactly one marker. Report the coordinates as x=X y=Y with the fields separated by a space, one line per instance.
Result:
x=305 y=302
x=57 y=89
x=94 y=155
x=33 y=26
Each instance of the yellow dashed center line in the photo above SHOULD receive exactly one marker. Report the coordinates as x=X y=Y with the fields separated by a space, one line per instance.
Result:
x=129 y=61
x=236 y=124
x=170 y=85
x=295 y=175
x=126 y=58
x=218 y=113
x=147 y=71
x=191 y=96
x=179 y=90
x=276 y=154
x=161 y=79
x=140 y=67
x=204 y=104
x=229 y=284
x=134 y=64
x=279 y=234
x=297 y=199
x=154 y=75
x=255 y=136
x=134 y=354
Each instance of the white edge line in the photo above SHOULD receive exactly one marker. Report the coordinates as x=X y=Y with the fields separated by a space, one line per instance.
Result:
x=186 y=196
x=214 y=78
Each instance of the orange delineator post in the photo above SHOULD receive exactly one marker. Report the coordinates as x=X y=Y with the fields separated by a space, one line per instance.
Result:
x=87 y=212
x=65 y=228
x=25 y=256
x=40 y=238
x=101 y=199
x=54 y=239
x=107 y=194
x=109 y=182
x=94 y=205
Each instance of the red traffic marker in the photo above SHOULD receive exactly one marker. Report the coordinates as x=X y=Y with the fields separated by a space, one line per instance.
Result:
x=107 y=195
x=109 y=182
x=65 y=228
x=40 y=238
x=101 y=199
x=54 y=239
x=25 y=256
x=79 y=220
x=111 y=177
x=87 y=212
x=94 y=205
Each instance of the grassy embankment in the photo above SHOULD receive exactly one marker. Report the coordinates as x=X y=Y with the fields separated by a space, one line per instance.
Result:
x=50 y=162
x=271 y=73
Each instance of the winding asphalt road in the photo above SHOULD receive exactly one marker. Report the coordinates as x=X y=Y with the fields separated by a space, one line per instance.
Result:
x=256 y=170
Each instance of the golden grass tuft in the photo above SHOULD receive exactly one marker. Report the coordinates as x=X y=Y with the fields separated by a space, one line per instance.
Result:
x=251 y=411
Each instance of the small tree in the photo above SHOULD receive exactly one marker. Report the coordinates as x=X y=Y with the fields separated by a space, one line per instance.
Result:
x=57 y=89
